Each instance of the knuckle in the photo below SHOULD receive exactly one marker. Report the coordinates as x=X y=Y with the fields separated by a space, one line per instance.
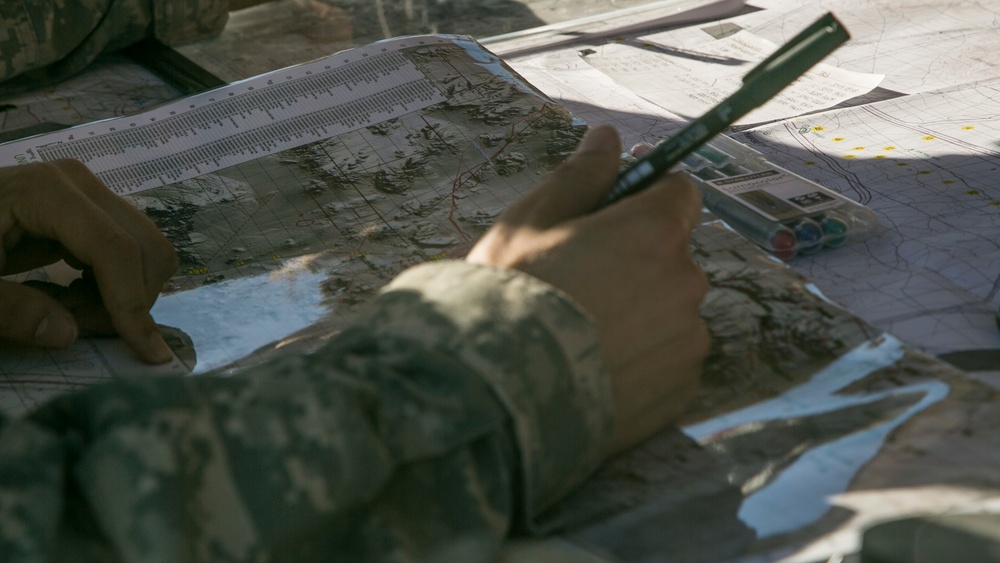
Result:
x=665 y=241
x=684 y=187
x=683 y=181
x=21 y=309
x=56 y=178
x=698 y=283
x=693 y=289
x=71 y=166
x=701 y=340
x=676 y=234
x=47 y=175
x=122 y=246
x=163 y=254
x=51 y=179
x=157 y=272
x=59 y=173
x=679 y=195
x=172 y=261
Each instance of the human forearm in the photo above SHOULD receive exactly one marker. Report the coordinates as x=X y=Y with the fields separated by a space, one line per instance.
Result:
x=538 y=352
x=46 y=42
x=463 y=401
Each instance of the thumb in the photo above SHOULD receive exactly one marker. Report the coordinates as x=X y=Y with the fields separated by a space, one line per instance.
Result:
x=577 y=186
x=28 y=316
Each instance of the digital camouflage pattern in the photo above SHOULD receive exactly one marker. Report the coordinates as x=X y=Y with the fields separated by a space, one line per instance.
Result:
x=463 y=402
x=45 y=42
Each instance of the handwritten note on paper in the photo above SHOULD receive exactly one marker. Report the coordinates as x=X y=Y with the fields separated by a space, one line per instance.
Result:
x=689 y=82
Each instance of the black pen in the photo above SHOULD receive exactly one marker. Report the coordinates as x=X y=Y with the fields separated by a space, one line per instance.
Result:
x=765 y=80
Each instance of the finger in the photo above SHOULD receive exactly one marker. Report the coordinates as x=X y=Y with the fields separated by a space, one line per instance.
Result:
x=661 y=310
x=118 y=266
x=51 y=211
x=671 y=200
x=577 y=186
x=640 y=150
x=159 y=257
x=30 y=253
x=29 y=316
x=83 y=301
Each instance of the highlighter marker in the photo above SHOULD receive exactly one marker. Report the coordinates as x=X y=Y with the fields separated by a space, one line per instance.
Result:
x=776 y=238
x=809 y=233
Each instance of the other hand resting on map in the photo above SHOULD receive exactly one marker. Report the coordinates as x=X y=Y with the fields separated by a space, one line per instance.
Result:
x=61 y=211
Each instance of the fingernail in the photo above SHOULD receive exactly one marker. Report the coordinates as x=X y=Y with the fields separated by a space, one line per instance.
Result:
x=56 y=331
x=159 y=350
x=600 y=139
x=640 y=150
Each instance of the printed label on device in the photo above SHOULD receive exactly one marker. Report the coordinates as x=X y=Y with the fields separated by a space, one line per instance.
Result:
x=776 y=195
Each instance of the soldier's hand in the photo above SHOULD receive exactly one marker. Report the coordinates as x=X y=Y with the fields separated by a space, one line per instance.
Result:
x=629 y=265
x=60 y=210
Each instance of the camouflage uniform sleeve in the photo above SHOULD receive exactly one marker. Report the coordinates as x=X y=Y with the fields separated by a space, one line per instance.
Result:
x=461 y=403
x=45 y=42
x=176 y=23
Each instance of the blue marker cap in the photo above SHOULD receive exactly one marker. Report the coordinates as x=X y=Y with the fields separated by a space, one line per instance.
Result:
x=809 y=234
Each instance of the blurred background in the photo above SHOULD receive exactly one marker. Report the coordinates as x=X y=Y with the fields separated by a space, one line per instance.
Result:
x=266 y=36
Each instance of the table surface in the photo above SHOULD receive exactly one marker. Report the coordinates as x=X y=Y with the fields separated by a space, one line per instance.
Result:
x=946 y=451
x=285 y=32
